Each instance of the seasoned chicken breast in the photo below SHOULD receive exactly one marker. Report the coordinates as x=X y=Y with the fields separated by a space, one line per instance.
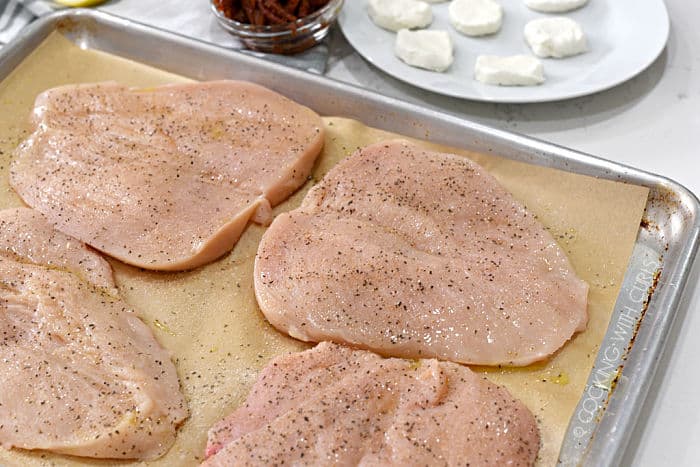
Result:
x=412 y=253
x=332 y=405
x=81 y=374
x=164 y=178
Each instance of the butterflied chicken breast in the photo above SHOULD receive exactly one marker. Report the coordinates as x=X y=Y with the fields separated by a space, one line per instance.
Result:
x=332 y=405
x=164 y=178
x=412 y=253
x=81 y=373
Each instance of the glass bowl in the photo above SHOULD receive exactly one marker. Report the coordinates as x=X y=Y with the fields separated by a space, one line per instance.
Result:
x=287 y=38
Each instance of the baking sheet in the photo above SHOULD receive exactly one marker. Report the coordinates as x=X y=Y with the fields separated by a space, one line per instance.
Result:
x=209 y=318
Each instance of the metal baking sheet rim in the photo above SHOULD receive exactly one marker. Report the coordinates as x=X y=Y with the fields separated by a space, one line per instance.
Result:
x=666 y=246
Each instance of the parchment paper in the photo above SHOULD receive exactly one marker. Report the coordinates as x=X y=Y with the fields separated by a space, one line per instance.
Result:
x=208 y=318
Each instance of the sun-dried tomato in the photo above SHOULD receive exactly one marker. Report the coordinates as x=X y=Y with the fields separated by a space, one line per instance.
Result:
x=268 y=12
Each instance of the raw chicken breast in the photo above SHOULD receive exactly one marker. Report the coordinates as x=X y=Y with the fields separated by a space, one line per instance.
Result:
x=81 y=374
x=164 y=178
x=335 y=406
x=412 y=253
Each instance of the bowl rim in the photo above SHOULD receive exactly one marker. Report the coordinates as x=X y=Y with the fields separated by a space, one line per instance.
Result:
x=300 y=24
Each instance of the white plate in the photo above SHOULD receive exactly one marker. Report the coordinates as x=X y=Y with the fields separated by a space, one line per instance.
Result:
x=624 y=38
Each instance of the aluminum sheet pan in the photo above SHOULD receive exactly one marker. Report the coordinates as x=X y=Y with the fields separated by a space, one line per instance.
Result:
x=666 y=244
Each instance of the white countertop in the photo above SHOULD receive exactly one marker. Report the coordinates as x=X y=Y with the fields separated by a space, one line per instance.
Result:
x=652 y=122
